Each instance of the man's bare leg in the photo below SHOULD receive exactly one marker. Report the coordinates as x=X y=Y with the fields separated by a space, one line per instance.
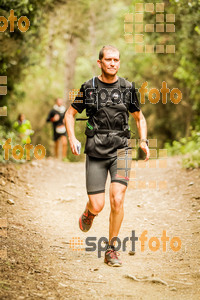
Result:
x=64 y=145
x=94 y=205
x=117 y=195
x=56 y=148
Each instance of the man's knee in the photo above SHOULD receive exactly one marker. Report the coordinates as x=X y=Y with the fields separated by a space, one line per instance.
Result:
x=117 y=202
x=96 y=205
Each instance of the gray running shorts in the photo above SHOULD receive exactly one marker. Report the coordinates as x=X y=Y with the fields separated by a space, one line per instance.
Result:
x=97 y=173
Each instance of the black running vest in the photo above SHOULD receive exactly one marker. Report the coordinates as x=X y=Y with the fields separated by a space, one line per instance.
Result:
x=107 y=128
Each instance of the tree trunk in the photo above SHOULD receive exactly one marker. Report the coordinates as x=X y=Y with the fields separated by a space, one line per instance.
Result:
x=71 y=56
x=50 y=44
x=93 y=39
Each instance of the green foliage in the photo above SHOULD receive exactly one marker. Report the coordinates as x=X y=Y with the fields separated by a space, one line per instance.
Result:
x=37 y=65
x=4 y=135
x=193 y=161
x=189 y=147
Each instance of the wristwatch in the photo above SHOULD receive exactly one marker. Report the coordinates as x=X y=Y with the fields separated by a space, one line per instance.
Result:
x=146 y=141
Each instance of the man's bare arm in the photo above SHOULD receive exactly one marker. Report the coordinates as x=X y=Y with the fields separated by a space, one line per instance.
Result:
x=142 y=130
x=69 y=121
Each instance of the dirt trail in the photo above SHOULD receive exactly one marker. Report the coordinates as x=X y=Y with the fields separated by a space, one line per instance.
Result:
x=49 y=197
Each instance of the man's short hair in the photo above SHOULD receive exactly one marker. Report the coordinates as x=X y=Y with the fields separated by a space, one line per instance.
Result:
x=101 y=52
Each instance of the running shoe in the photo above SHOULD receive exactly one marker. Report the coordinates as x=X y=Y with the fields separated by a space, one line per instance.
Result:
x=112 y=257
x=85 y=220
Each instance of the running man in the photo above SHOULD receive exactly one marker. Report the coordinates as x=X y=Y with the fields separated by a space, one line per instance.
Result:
x=56 y=116
x=107 y=130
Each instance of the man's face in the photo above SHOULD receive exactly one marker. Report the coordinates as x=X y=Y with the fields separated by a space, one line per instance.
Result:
x=110 y=62
x=59 y=101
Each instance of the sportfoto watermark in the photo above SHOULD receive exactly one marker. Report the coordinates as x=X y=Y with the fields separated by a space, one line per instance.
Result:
x=154 y=94
x=153 y=243
x=12 y=18
x=18 y=151
x=134 y=27
x=115 y=95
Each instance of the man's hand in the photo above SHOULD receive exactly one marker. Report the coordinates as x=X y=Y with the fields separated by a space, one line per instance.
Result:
x=142 y=129
x=73 y=145
x=145 y=148
x=55 y=118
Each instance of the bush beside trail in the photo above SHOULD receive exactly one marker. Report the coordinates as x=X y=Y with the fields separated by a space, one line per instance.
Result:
x=189 y=148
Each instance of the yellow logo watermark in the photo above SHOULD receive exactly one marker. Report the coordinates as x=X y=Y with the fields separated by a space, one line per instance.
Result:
x=18 y=151
x=153 y=243
x=12 y=18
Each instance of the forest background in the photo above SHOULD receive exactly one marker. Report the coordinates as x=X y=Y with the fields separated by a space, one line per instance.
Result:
x=59 y=51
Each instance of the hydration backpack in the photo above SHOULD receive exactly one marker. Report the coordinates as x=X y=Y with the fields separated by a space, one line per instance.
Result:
x=107 y=127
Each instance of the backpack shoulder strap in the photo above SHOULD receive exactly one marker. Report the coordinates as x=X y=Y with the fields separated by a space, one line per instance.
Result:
x=91 y=83
x=124 y=83
x=94 y=82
